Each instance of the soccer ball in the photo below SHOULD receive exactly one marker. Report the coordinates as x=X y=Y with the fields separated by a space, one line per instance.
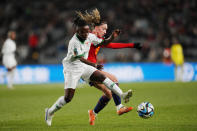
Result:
x=145 y=110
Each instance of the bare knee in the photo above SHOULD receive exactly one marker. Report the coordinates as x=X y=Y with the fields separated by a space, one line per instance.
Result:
x=69 y=93
x=97 y=76
x=67 y=99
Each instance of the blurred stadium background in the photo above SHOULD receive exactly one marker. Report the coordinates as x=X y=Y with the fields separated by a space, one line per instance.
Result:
x=46 y=26
x=44 y=29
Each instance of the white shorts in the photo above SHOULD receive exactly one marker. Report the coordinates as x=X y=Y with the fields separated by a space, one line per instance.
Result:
x=9 y=61
x=73 y=75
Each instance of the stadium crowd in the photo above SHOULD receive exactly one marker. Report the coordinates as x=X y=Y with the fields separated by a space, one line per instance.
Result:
x=44 y=28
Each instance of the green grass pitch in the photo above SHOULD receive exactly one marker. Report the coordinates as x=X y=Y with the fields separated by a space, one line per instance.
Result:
x=22 y=109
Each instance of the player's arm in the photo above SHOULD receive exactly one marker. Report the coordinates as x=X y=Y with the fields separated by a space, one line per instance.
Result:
x=114 y=34
x=98 y=66
x=80 y=56
x=119 y=45
x=82 y=59
x=123 y=45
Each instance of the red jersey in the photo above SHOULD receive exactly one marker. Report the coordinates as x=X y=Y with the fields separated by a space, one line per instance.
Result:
x=93 y=53
x=95 y=49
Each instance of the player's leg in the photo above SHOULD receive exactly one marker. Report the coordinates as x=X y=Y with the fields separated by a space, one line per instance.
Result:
x=98 y=76
x=116 y=98
x=94 y=75
x=103 y=101
x=61 y=101
x=10 y=77
x=121 y=109
x=176 y=72
x=181 y=72
x=69 y=93
x=10 y=63
x=71 y=81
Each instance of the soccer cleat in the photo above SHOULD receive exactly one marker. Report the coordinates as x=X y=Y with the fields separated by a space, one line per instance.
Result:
x=124 y=110
x=92 y=117
x=126 y=96
x=48 y=117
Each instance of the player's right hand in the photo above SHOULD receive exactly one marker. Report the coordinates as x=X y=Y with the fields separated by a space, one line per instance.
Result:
x=99 y=66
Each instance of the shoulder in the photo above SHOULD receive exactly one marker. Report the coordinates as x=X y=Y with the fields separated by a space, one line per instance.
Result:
x=9 y=41
x=91 y=35
x=74 y=40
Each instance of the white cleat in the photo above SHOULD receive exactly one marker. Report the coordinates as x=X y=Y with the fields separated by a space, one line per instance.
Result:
x=48 y=117
x=126 y=96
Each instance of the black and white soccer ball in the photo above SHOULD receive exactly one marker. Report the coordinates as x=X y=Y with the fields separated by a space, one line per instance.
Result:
x=145 y=110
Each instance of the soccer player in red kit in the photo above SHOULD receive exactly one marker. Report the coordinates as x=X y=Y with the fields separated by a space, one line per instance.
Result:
x=100 y=28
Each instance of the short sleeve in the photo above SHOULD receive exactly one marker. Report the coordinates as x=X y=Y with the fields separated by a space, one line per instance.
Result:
x=77 y=52
x=94 y=39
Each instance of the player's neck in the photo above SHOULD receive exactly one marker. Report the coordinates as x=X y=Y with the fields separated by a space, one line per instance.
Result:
x=80 y=38
x=94 y=32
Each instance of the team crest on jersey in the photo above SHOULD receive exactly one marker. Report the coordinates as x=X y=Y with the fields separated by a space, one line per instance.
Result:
x=86 y=43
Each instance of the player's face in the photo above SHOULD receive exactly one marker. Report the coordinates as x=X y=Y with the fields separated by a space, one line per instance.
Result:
x=13 y=35
x=83 y=31
x=101 y=30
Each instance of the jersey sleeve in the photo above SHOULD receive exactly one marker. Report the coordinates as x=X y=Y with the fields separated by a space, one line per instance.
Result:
x=94 y=39
x=119 y=45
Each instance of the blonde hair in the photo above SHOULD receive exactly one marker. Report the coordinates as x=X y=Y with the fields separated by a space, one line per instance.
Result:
x=96 y=16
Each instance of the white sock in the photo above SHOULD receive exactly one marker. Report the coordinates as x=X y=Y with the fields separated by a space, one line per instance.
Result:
x=119 y=106
x=112 y=86
x=57 y=105
x=94 y=113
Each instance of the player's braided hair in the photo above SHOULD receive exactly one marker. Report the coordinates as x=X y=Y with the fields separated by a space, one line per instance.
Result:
x=93 y=18
x=80 y=20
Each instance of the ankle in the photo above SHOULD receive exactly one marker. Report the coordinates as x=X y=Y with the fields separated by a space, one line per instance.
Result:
x=94 y=113
x=119 y=106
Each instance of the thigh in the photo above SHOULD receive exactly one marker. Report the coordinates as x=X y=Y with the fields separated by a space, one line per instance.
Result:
x=71 y=79
x=88 y=71
x=97 y=76
x=9 y=62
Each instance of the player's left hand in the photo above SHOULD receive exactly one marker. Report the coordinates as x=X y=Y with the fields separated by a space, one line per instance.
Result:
x=116 y=33
x=138 y=46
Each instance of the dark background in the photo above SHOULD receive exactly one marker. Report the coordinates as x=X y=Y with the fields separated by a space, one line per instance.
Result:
x=44 y=28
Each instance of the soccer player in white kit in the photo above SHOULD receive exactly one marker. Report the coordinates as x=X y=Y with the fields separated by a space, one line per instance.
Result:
x=9 y=61
x=77 y=66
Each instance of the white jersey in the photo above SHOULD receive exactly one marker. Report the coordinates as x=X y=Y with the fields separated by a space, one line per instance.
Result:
x=8 y=51
x=78 y=48
x=74 y=69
